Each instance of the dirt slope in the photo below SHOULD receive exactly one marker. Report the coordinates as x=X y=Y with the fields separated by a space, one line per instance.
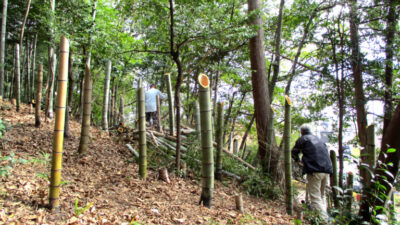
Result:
x=105 y=179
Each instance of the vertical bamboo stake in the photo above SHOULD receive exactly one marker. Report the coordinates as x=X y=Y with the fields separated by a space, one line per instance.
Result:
x=235 y=146
x=239 y=203
x=59 y=126
x=197 y=116
x=38 y=100
x=87 y=110
x=106 y=96
x=121 y=109
x=207 y=169
x=170 y=104
x=142 y=132
x=349 y=192
x=219 y=139
x=17 y=84
x=158 y=113
x=334 y=178
x=288 y=158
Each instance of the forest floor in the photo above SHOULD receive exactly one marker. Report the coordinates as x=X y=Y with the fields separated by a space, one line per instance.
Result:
x=106 y=183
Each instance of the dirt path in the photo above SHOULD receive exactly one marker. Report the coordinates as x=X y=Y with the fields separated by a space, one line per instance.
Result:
x=108 y=182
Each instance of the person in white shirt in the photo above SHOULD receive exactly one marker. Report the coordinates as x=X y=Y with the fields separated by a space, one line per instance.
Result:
x=151 y=103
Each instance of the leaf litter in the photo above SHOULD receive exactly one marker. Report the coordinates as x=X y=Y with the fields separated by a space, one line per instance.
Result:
x=105 y=185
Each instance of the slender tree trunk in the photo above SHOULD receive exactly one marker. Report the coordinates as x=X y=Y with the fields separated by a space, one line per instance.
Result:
x=17 y=84
x=70 y=95
x=112 y=98
x=277 y=61
x=175 y=56
x=389 y=51
x=357 y=74
x=89 y=52
x=339 y=82
x=116 y=114
x=288 y=158
x=359 y=98
x=216 y=90
x=51 y=73
x=242 y=144
x=106 y=95
x=259 y=81
x=2 y=45
x=39 y=81
x=219 y=139
x=197 y=116
x=170 y=105
x=228 y=114
x=87 y=109
x=34 y=66
x=55 y=177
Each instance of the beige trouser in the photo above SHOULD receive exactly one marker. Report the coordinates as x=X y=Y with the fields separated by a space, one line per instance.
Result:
x=316 y=183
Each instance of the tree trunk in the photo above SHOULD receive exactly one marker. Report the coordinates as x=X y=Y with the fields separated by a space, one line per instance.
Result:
x=219 y=139
x=55 y=177
x=277 y=61
x=207 y=171
x=389 y=51
x=34 y=66
x=170 y=105
x=259 y=81
x=359 y=98
x=50 y=90
x=106 y=96
x=357 y=74
x=70 y=95
x=17 y=83
x=288 y=158
x=246 y=134
x=38 y=96
x=87 y=109
x=3 y=45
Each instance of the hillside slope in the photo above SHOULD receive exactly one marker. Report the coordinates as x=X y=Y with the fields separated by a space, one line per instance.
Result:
x=105 y=179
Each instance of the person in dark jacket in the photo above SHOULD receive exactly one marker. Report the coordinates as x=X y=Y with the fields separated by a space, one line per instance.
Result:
x=317 y=166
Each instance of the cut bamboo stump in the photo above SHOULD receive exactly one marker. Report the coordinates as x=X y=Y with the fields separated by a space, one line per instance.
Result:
x=239 y=203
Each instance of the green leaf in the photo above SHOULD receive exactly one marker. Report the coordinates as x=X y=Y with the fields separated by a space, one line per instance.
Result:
x=391 y=150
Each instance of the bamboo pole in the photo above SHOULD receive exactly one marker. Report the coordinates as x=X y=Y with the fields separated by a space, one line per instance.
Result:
x=38 y=96
x=55 y=178
x=158 y=113
x=87 y=109
x=219 y=140
x=142 y=132
x=17 y=83
x=121 y=109
x=334 y=178
x=349 y=191
x=206 y=142
x=288 y=158
x=235 y=146
x=170 y=104
x=106 y=96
